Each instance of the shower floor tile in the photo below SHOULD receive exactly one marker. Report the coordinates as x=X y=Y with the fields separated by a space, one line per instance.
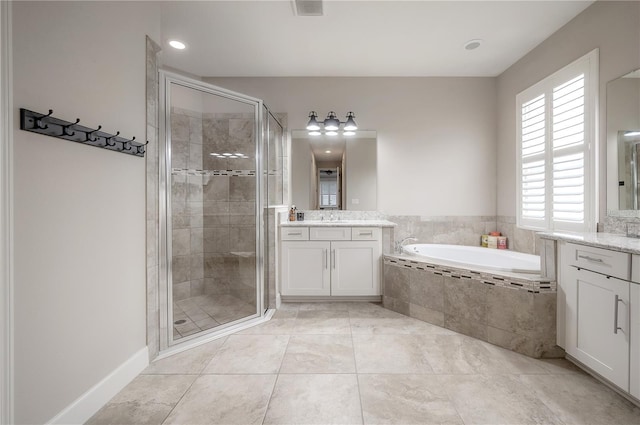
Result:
x=202 y=312
x=377 y=367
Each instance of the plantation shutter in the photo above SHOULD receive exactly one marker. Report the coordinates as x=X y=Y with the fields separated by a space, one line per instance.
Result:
x=555 y=128
x=533 y=160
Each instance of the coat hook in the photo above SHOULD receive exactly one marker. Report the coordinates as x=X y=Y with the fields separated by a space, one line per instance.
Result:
x=140 y=148
x=109 y=138
x=127 y=142
x=65 y=127
x=39 y=120
x=89 y=139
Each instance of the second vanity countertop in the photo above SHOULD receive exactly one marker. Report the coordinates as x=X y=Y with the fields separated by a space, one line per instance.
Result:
x=338 y=223
x=612 y=241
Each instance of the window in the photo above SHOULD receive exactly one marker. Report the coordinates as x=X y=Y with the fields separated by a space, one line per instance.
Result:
x=556 y=125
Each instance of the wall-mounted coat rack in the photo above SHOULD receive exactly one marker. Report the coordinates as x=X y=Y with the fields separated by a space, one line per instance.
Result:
x=50 y=126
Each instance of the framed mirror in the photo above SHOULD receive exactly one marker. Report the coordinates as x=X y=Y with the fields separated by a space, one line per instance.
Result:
x=334 y=172
x=623 y=144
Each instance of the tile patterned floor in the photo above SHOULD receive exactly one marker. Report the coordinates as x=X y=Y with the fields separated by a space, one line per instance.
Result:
x=357 y=363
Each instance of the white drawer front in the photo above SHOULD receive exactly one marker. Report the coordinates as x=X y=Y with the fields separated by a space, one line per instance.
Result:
x=611 y=263
x=330 y=233
x=294 y=233
x=365 y=233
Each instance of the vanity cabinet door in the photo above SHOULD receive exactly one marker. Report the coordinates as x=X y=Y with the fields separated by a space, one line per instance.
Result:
x=634 y=385
x=355 y=268
x=598 y=323
x=305 y=268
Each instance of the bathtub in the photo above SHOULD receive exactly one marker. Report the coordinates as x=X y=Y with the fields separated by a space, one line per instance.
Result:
x=476 y=257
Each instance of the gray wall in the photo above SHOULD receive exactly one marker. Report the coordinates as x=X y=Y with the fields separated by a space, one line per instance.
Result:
x=79 y=211
x=431 y=132
x=614 y=28
x=361 y=175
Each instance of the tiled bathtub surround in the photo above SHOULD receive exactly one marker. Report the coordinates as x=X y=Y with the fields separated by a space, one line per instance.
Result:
x=521 y=240
x=455 y=230
x=619 y=223
x=511 y=312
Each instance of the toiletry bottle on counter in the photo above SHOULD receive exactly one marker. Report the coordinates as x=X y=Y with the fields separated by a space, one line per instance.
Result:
x=493 y=242
x=502 y=242
x=484 y=241
x=292 y=213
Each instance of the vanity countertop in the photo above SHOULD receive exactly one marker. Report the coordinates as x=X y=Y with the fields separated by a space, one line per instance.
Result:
x=610 y=241
x=338 y=223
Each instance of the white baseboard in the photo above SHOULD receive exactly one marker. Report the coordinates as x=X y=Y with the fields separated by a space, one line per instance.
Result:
x=90 y=402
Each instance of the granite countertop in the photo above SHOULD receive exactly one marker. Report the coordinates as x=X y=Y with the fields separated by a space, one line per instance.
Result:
x=338 y=223
x=612 y=241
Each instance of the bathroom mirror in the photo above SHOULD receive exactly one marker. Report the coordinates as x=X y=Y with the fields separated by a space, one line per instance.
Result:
x=334 y=172
x=623 y=143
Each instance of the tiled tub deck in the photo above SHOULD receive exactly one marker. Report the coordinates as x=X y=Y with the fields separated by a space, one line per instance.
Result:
x=516 y=312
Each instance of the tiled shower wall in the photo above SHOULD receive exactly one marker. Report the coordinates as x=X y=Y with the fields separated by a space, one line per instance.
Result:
x=152 y=163
x=213 y=205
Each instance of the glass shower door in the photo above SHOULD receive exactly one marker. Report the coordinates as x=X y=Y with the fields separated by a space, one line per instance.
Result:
x=212 y=235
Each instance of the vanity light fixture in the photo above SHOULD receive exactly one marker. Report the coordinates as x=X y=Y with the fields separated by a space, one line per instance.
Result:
x=331 y=124
x=632 y=133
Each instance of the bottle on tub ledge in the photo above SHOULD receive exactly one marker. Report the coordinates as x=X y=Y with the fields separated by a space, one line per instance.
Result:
x=292 y=213
x=493 y=240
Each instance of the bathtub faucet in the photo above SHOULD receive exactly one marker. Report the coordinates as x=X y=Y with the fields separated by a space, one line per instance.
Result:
x=400 y=245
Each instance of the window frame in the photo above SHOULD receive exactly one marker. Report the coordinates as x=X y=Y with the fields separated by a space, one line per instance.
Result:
x=587 y=64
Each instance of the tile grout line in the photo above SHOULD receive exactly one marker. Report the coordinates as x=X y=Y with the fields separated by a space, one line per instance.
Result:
x=355 y=366
x=199 y=374
x=180 y=399
x=275 y=382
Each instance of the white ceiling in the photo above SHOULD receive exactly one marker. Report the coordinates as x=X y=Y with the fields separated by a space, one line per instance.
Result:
x=357 y=38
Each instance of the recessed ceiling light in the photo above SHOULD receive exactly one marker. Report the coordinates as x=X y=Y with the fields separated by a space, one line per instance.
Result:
x=472 y=44
x=327 y=151
x=177 y=44
x=226 y=154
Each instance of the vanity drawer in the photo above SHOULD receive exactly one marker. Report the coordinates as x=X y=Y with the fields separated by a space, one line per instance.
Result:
x=294 y=233
x=330 y=233
x=605 y=261
x=365 y=233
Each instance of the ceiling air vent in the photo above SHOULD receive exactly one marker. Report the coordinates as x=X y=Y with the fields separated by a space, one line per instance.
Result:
x=307 y=7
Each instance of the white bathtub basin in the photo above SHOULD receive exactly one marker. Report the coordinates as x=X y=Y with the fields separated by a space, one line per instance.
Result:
x=477 y=257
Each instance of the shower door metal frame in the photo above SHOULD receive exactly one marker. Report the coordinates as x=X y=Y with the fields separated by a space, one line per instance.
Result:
x=166 y=78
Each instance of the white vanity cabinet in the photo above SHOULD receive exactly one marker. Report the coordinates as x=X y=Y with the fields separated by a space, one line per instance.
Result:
x=634 y=363
x=595 y=284
x=330 y=261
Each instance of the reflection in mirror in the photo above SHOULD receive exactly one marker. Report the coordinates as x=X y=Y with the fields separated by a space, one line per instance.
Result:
x=334 y=172
x=623 y=141
x=628 y=162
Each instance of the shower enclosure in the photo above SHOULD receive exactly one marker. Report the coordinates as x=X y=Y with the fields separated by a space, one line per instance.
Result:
x=221 y=168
